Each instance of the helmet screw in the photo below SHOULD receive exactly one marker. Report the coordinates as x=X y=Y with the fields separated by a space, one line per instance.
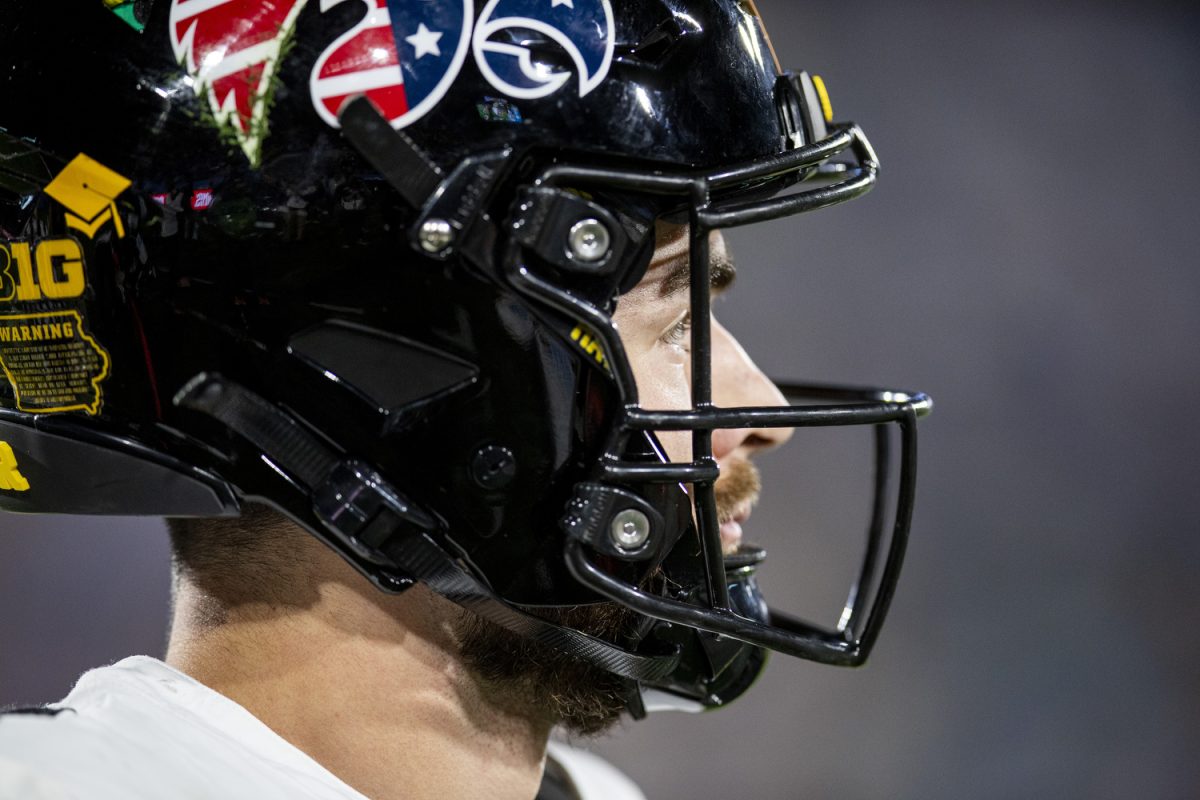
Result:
x=435 y=235
x=589 y=240
x=493 y=467
x=630 y=529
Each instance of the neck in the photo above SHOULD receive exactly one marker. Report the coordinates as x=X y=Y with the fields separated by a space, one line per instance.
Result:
x=367 y=684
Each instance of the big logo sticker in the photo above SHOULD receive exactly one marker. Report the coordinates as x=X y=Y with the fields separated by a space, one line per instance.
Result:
x=404 y=54
x=47 y=353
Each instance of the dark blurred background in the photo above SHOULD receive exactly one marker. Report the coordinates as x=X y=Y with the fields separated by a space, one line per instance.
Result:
x=1029 y=259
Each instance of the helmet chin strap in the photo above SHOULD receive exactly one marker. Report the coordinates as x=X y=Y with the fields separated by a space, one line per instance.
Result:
x=376 y=524
x=398 y=159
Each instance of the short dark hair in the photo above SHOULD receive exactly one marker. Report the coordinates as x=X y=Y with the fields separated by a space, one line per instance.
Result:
x=235 y=551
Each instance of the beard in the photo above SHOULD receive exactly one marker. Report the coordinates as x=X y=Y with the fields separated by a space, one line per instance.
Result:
x=542 y=682
x=738 y=487
x=535 y=680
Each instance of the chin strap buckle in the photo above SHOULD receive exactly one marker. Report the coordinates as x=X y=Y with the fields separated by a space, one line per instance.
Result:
x=352 y=501
x=355 y=501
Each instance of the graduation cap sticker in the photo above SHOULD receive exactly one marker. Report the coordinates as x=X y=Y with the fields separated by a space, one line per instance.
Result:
x=89 y=191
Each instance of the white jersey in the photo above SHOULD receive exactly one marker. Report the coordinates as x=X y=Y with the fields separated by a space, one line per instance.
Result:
x=141 y=729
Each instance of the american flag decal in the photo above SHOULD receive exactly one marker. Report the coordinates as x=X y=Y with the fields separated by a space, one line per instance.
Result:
x=231 y=49
x=403 y=56
x=361 y=61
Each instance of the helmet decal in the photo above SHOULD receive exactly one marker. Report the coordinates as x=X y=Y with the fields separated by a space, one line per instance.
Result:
x=11 y=479
x=52 y=362
x=404 y=56
x=88 y=190
x=590 y=343
x=231 y=49
x=127 y=12
x=46 y=352
x=583 y=28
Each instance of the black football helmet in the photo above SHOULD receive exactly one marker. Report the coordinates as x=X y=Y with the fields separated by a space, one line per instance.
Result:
x=358 y=260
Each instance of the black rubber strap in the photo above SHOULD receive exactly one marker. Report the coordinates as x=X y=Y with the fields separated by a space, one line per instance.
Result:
x=421 y=557
x=395 y=155
x=265 y=425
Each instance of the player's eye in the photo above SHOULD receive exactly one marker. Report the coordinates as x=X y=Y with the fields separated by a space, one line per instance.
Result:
x=679 y=334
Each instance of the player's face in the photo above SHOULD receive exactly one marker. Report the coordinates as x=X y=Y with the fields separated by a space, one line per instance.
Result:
x=655 y=326
x=655 y=329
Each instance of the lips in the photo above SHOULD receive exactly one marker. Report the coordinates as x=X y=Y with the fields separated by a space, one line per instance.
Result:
x=731 y=529
x=731 y=536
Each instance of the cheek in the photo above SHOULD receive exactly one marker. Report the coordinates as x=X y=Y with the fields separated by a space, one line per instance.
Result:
x=663 y=380
x=662 y=371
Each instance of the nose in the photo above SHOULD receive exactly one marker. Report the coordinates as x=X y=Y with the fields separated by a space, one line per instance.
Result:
x=737 y=381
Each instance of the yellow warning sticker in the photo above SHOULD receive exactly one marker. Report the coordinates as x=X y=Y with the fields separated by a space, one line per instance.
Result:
x=11 y=479
x=89 y=190
x=52 y=362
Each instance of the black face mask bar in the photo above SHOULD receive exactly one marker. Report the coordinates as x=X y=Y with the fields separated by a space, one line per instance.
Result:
x=850 y=643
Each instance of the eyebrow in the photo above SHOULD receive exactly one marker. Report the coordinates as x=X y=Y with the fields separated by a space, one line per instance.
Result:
x=722 y=272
